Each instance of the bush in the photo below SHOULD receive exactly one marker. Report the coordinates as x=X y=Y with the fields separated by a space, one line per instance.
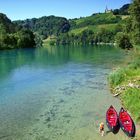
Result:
x=117 y=77
x=52 y=42
x=122 y=40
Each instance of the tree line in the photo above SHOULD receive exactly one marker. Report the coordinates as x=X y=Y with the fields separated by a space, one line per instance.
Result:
x=87 y=37
x=14 y=36
x=131 y=34
x=46 y=26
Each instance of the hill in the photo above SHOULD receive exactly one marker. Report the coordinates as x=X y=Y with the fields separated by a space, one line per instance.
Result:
x=13 y=36
x=6 y=24
x=124 y=10
x=96 y=22
x=99 y=27
x=96 y=19
x=46 y=26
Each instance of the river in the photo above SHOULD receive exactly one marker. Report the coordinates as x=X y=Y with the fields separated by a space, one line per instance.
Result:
x=57 y=93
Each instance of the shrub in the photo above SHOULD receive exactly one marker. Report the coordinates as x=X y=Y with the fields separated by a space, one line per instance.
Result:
x=122 y=40
x=117 y=77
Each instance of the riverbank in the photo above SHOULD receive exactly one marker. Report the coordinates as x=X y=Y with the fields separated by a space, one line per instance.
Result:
x=125 y=83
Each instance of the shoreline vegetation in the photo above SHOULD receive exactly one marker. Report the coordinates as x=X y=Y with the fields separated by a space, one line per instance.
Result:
x=125 y=84
x=50 y=42
x=125 y=81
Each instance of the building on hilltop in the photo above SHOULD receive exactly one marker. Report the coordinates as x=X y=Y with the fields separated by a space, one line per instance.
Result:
x=107 y=10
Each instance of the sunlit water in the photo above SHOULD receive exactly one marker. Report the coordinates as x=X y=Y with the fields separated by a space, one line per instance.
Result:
x=57 y=93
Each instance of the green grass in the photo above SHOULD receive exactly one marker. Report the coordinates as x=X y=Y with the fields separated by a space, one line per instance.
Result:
x=117 y=77
x=94 y=28
x=98 y=19
x=127 y=73
x=96 y=22
x=78 y=30
x=123 y=77
x=131 y=100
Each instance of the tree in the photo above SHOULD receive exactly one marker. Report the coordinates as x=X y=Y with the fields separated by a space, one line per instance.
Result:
x=46 y=26
x=122 y=40
x=38 y=40
x=25 y=38
x=135 y=16
x=122 y=11
x=13 y=36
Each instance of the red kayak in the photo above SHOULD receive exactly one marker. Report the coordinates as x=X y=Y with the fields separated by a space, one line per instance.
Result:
x=126 y=123
x=112 y=120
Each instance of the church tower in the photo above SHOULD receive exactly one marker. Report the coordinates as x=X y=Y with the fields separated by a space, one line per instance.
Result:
x=107 y=11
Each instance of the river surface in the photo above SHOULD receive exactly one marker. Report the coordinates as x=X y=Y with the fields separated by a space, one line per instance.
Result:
x=57 y=93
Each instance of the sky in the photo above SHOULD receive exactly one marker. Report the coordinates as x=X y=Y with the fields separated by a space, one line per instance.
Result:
x=23 y=9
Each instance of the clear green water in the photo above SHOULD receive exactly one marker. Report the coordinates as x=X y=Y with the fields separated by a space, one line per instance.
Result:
x=56 y=93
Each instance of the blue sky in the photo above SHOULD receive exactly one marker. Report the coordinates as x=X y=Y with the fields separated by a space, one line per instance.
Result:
x=22 y=9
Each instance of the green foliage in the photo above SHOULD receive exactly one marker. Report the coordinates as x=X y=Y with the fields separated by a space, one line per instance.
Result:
x=85 y=37
x=131 y=100
x=6 y=24
x=128 y=25
x=12 y=36
x=25 y=38
x=117 y=77
x=38 y=40
x=124 y=74
x=46 y=26
x=123 y=77
x=136 y=63
x=96 y=19
x=135 y=21
x=96 y=28
x=122 y=11
x=105 y=35
x=92 y=34
x=123 y=41
x=132 y=27
x=52 y=42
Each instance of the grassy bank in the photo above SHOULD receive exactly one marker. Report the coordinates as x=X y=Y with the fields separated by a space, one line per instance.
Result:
x=125 y=81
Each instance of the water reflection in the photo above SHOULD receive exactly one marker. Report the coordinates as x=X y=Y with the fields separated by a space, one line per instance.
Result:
x=56 y=56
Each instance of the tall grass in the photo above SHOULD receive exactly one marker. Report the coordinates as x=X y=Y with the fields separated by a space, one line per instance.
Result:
x=123 y=77
x=131 y=100
x=135 y=64
x=117 y=77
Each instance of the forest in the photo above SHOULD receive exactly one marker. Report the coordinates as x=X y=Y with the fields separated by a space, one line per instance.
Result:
x=14 y=36
x=118 y=26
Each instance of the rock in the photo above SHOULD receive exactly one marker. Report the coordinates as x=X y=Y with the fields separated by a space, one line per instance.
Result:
x=117 y=94
x=131 y=85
